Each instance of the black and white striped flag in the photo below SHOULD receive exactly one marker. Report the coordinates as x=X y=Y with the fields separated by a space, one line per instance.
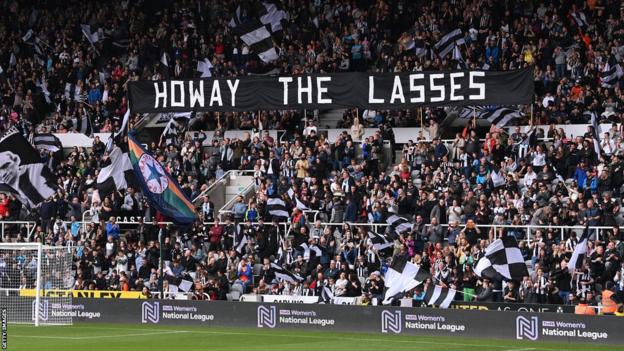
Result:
x=580 y=19
x=500 y=116
x=47 y=141
x=121 y=37
x=398 y=224
x=241 y=239
x=169 y=134
x=580 y=250
x=83 y=125
x=254 y=33
x=118 y=175
x=204 y=67
x=327 y=295
x=439 y=296
x=503 y=260
x=446 y=44
x=403 y=276
x=271 y=13
x=298 y=204
x=22 y=172
x=32 y=40
x=163 y=66
x=379 y=241
x=420 y=48
x=92 y=37
x=596 y=131
x=283 y=275
x=459 y=60
x=611 y=73
x=529 y=141
x=73 y=92
x=310 y=251
x=277 y=207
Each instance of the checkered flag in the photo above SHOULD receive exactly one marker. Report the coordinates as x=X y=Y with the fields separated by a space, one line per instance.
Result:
x=502 y=260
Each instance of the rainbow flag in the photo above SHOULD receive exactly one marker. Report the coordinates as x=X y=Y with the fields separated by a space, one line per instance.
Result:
x=162 y=191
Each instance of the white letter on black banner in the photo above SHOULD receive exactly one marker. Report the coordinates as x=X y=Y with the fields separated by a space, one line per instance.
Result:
x=233 y=88
x=197 y=96
x=160 y=95
x=215 y=95
x=177 y=85
x=285 y=80
x=304 y=90
x=320 y=90
x=419 y=88
x=474 y=85
x=397 y=91
x=455 y=87
x=371 y=92
x=434 y=87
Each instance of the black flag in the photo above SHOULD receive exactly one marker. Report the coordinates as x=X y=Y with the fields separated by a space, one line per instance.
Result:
x=22 y=172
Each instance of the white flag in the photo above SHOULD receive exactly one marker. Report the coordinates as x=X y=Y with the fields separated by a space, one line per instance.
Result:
x=204 y=67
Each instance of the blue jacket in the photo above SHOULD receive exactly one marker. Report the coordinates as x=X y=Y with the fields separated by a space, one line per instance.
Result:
x=581 y=177
x=493 y=52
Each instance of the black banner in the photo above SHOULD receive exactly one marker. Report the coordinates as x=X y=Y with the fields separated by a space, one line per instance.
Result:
x=336 y=90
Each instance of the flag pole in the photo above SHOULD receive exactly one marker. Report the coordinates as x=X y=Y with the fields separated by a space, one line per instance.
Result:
x=531 y=122
x=161 y=241
x=459 y=291
x=420 y=116
x=474 y=117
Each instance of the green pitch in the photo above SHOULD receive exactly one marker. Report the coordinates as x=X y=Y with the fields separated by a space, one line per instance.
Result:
x=133 y=337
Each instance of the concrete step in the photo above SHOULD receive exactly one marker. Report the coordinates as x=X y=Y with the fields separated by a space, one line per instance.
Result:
x=331 y=118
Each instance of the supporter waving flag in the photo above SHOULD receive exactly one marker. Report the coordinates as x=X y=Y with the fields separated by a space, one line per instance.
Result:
x=580 y=250
x=403 y=276
x=398 y=224
x=379 y=242
x=282 y=274
x=22 y=172
x=159 y=187
x=118 y=173
x=47 y=141
x=439 y=296
x=503 y=260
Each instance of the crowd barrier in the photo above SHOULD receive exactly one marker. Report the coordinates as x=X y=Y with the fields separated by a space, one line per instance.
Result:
x=527 y=232
x=407 y=302
x=338 y=300
x=554 y=327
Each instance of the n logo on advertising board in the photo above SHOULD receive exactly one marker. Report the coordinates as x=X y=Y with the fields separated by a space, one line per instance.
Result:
x=266 y=316
x=526 y=328
x=43 y=310
x=150 y=312
x=391 y=322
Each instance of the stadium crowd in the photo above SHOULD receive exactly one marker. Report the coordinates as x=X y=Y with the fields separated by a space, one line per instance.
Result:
x=450 y=192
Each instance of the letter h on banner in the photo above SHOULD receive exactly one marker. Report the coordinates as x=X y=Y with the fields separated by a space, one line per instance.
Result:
x=526 y=328
x=150 y=312
x=266 y=317
x=391 y=321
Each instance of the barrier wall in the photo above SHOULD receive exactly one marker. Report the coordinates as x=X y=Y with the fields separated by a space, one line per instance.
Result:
x=556 y=327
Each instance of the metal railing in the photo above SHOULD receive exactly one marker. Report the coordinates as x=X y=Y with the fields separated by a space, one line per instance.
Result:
x=528 y=229
x=226 y=208
x=30 y=227
x=596 y=232
x=220 y=180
